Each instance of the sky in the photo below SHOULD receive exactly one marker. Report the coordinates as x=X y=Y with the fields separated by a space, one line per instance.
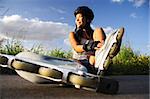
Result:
x=48 y=22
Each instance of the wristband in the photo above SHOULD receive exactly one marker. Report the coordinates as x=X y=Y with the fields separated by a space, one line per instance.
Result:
x=90 y=45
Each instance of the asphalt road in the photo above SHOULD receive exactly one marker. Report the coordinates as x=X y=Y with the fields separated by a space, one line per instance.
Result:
x=15 y=87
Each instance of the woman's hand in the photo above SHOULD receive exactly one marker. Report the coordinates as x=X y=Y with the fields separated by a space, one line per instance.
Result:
x=99 y=45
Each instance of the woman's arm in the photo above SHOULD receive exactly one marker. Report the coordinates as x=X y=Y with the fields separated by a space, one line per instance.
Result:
x=74 y=44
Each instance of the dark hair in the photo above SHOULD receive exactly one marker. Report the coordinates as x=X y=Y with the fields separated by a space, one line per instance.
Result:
x=85 y=11
x=79 y=31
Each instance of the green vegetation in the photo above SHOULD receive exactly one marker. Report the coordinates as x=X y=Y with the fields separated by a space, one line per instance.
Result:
x=59 y=53
x=12 y=48
x=127 y=62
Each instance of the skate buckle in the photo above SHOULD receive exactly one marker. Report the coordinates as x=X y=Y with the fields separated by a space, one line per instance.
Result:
x=81 y=72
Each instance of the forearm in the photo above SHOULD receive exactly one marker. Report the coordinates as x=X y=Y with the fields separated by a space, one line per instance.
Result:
x=78 y=48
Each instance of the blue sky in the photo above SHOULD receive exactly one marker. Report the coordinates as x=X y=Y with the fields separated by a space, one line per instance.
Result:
x=51 y=20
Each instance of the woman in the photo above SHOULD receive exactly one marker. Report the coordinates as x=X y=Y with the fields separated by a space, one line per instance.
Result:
x=84 y=39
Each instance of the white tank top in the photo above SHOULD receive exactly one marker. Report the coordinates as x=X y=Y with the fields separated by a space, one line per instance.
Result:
x=83 y=55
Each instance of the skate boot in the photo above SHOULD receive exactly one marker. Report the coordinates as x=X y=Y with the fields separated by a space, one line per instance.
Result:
x=110 y=49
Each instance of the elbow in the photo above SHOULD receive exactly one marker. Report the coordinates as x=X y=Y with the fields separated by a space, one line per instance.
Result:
x=78 y=48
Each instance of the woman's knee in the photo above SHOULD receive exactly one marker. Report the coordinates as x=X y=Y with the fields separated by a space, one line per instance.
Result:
x=99 y=34
x=92 y=60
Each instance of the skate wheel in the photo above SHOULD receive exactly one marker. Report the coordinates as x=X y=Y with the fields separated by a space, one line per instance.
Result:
x=25 y=66
x=82 y=81
x=77 y=86
x=3 y=60
x=107 y=62
x=108 y=86
x=120 y=34
x=113 y=50
x=50 y=72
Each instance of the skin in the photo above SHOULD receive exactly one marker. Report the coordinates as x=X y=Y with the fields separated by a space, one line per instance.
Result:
x=98 y=35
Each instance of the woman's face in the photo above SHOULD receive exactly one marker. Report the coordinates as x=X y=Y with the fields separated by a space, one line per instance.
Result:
x=80 y=20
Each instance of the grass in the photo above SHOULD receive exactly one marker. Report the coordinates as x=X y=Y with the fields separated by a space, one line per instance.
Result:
x=127 y=62
x=12 y=48
x=61 y=54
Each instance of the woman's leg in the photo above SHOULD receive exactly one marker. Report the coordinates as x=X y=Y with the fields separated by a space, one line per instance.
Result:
x=92 y=60
x=98 y=35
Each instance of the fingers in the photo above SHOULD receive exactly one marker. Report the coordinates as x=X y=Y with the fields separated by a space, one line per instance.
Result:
x=99 y=45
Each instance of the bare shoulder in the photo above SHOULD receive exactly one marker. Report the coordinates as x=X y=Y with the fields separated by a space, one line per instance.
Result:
x=71 y=34
x=97 y=29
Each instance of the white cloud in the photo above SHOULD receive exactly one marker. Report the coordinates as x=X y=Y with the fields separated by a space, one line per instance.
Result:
x=133 y=15
x=117 y=1
x=148 y=47
x=108 y=29
x=3 y=38
x=57 y=10
x=32 y=29
x=66 y=41
x=137 y=3
x=62 y=18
